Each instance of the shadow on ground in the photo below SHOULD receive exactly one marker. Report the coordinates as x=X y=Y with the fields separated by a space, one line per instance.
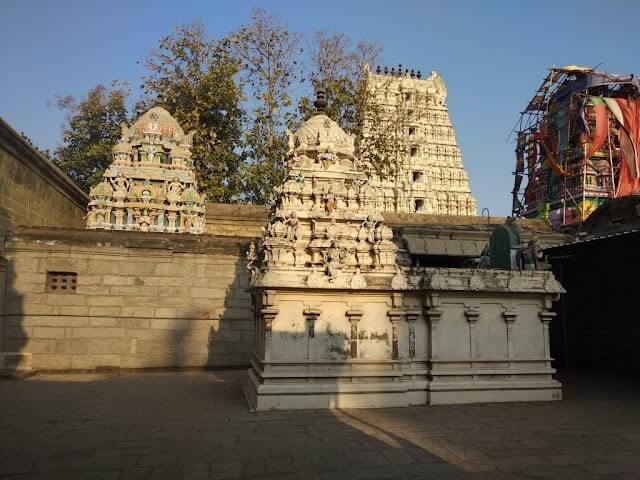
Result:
x=196 y=425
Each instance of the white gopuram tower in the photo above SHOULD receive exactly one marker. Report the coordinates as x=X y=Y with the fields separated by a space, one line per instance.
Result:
x=408 y=118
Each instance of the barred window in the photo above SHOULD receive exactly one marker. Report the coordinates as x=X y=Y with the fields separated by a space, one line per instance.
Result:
x=61 y=282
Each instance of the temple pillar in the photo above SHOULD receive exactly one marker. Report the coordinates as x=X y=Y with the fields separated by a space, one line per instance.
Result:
x=472 y=313
x=268 y=316
x=546 y=316
x=433 y=314
x=509 y=316
x=412 y=316
x=395 y=317
x=354 y=317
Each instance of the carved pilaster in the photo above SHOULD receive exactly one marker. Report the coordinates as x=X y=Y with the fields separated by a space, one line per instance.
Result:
x=395 y=316
x=354 y=317
x=412 y=316
x=545 y=317
x=472 y=314
x=119 y=214
x=268 y=315
x=509 y=316
x=433 y=316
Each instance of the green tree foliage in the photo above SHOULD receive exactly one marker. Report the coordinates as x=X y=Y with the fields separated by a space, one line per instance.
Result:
x=268 y=53
x=338 y=67
x=238 y=94
x=341 y=69
x=93 y=128
x=193 y=76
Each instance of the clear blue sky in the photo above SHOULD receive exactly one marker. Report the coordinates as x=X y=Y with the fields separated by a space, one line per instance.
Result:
x=492 y=55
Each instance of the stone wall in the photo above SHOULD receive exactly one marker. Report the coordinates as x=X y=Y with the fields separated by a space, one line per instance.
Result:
x=33 y=191
x=235 y=219
x=142 y=300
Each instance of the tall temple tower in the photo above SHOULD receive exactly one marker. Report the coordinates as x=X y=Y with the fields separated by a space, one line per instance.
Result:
x=408 y=118
x=150 y=186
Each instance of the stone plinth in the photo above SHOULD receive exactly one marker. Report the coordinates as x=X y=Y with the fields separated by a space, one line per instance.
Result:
x=441 y=336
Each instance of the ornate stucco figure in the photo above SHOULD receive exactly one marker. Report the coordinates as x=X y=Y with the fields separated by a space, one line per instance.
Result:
x=150 y=186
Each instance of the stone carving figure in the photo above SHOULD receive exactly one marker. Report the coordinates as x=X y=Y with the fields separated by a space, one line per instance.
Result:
x=331 y=230
x=120 y=187
x=378 y=237
x=330 y=200
x=173 y=191
x=252 y=257
x=505 y=247
x=327 y=159
x=367 y=232
x=332 y=261
x=292 y=227
x=269 y=230
x=378 y=232
x=188 y=222
x=531 y=254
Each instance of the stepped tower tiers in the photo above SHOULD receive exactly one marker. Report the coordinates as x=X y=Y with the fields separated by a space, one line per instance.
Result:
x=150 y=185
x=410 y=113
x=325 y=228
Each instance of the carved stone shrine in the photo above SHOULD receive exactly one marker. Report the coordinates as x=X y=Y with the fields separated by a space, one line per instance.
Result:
x=342 y=320
x=150 y=185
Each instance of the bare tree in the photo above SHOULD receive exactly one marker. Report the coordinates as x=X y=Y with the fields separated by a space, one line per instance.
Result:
x=268 y=53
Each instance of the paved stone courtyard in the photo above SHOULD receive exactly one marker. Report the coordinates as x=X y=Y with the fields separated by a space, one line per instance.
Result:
x=195 y=425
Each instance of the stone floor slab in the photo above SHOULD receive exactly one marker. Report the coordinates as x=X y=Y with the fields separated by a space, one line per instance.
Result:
x=195 y=425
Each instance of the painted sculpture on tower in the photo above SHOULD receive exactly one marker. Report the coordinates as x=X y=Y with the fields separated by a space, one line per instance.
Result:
x=150 y=186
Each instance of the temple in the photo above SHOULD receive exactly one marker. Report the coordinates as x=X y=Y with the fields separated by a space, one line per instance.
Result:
x=343 y=319
x=408 y=118
x=577 y=145
x=150 y=185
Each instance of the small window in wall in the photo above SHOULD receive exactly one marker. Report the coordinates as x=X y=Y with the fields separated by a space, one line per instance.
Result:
x=418 y=205
x=407 y=96
x=412 y=131
x=418 y=177
x=414 y=151
x=61 y=282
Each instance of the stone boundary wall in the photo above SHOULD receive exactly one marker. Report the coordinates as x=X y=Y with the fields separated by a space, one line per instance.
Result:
x=142 y=300
x=235 y=219
x=33 y=191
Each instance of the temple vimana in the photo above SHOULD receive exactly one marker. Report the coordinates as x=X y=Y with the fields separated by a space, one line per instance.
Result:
x=353 y=289
x=150 y=186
